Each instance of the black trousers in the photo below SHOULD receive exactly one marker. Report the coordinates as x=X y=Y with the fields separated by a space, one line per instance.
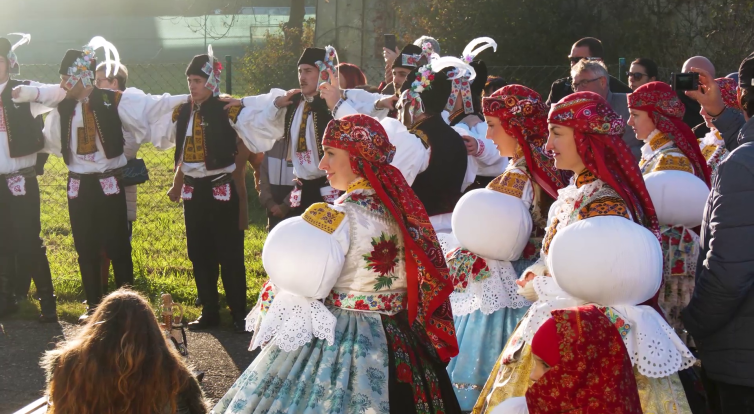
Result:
x=310 y=194
x=724 y=398
x=22 y=251
x=100 y=221
x=215 y=242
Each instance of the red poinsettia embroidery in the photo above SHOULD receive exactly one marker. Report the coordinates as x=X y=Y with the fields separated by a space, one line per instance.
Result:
x=361 y=305
x=478 y=266
x=383 y=259
x=677 y=267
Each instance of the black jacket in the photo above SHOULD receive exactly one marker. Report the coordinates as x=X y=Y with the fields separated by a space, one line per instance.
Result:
x=720 y=315
x=562 y=88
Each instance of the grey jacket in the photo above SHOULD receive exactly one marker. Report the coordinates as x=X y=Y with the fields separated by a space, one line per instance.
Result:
x=720 y=315
x=619 y=103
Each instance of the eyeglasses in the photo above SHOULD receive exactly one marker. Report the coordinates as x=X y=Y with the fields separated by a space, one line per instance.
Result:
x=636 y=75
x=581 y=84
x=576 y=59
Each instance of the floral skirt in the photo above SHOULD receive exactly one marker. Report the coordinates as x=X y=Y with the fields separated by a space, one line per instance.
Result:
x=377 y=364
x=657 y=395
x=481 y=339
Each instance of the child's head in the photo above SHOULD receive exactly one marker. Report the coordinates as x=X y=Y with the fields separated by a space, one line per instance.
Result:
x=545 y=348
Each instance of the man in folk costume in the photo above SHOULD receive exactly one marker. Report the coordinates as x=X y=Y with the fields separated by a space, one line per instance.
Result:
x=299 y=116
x=465 y=109
x=86 y=129
x=205 y=134
x=21 y=138
x=424 y=95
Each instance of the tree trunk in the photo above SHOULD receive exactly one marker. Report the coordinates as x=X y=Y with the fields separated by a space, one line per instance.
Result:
x=295 y=25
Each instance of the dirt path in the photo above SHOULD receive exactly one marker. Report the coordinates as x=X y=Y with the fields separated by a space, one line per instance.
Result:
x=221 y=354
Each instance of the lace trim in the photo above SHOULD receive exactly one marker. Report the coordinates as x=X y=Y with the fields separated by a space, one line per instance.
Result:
x=448 y=243
x=292 y=321
x=655 y=349
x=495 y=292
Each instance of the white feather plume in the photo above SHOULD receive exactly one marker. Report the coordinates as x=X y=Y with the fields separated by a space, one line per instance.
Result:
x=112 y=64
x=485 y=42
x=25 y=39
x=211 y=56
x=463 y=68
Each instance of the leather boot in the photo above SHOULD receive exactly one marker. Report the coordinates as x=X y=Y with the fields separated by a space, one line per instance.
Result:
x=49 y=310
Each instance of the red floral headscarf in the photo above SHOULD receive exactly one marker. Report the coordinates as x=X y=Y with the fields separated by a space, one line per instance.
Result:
x=429 y=285
x=594 y=373
x=598 y=132
x=729 y=90
x=666 y=110
x=523 y=115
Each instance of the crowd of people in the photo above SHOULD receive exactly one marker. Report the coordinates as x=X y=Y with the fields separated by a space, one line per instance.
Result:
x=443 y=242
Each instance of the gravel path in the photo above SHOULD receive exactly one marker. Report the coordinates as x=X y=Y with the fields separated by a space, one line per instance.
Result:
x=220 y=353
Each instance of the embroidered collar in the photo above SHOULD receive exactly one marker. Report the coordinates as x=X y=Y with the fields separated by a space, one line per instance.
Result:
x=416 y=125
x=309 y=100
x=655 y=142
x=585 y=177
x=360 y=183
x=457 y=114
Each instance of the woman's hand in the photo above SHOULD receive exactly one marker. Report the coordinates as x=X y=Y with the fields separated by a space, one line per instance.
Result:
x=472 y=145
x=528 y=278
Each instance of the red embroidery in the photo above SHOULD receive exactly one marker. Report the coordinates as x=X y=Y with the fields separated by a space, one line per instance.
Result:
x=221 y=192
x=17 y=185
x=109 y=185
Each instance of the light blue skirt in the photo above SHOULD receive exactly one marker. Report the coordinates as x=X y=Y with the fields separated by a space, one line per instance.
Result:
x=481 y=339
x=352 y=376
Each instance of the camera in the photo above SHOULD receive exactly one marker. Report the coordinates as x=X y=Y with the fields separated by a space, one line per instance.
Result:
x=684 y=81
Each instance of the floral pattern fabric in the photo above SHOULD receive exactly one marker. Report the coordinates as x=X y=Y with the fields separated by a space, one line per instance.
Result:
x=594 y=374
x=383 y=259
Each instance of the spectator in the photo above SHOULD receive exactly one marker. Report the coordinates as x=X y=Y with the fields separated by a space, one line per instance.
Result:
x=493 y=83
x=591 y=76
x=424 y=39
x=586 y=48
x=692 y=118
x=721 y=311
x=642 y=71
x=350 y=76
x=276 y=183
x=120 y=361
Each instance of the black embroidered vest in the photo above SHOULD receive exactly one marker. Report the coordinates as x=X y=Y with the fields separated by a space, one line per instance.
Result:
x=104 y=106
x=219 y=137
x=456 y=117
x=439 y=186
x=321 y=116
x=25 y=135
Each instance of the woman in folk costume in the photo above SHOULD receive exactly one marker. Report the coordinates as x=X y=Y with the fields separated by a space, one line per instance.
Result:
x=585 y=137
x=498 y=228
x=712 y=145
x=677 y=177
x=580 y=365
x=385 y=331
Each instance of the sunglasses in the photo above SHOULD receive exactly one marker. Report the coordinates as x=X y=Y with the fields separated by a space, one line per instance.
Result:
x=636 y=76
x=576 y=59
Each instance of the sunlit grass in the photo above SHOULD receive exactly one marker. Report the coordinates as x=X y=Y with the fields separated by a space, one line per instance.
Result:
x=161 y=263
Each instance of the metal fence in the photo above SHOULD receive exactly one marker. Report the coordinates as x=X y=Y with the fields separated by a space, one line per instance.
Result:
x=159 y=245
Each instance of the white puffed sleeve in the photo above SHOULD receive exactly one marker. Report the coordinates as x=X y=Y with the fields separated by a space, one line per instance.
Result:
x=138 y=111
x=52 y=145
x=364 y=102
x=471 y=164
x=261 y=123
x=411 y=156
x=304 y=257
x=43 y=98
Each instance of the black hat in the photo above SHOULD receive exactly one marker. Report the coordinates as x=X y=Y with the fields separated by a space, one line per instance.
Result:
x=5 y=47
x=435 y=96
x=311 y=55
x=408 y=51
x=477 y=85
x=197 y=65
x=746 y=72
x=70 y=58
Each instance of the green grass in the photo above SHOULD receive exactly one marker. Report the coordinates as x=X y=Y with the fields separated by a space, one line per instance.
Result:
x=161 y=264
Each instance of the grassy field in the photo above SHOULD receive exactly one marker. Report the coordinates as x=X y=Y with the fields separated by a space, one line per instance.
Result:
x=161 y=263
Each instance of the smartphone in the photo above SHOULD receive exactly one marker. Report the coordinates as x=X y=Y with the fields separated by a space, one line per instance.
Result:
x=684 y=81
x=390 y=42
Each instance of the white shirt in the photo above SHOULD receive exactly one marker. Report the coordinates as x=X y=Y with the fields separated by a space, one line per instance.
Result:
x=135 y=109
x=10 y=165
